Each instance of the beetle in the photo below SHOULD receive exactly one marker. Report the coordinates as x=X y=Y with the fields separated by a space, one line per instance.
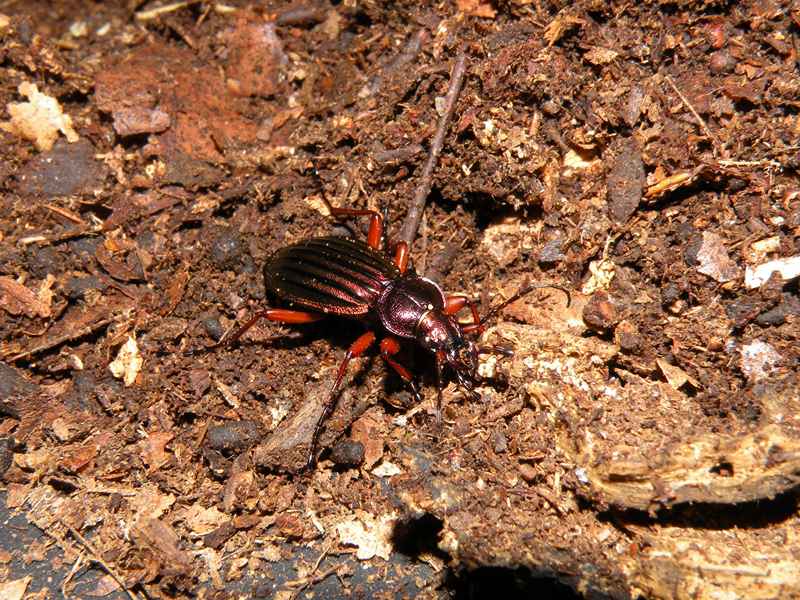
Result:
x=345 y=277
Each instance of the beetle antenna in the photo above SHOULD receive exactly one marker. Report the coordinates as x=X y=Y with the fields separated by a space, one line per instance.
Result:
x=524 y=291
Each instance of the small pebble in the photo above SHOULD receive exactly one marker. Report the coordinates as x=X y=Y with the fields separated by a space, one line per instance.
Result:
x=213 y=328
x=627 y=336
x=527 y=472
x=227 y=248
x=550 y=108
x=348 y=453
x=232 y=436
x=600 y=313
x=551 y=252
x=264 y=589
x=500 y=442
x=721 y=61
x=669 y=294
x=777 y=315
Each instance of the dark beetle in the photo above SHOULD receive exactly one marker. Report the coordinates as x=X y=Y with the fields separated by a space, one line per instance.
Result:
x=345 y=277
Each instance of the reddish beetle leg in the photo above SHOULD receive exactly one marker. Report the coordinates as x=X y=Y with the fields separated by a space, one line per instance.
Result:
x=389 y=347
x=453 y=304
x=278 y=315
x=355 y=350
x=375 y=223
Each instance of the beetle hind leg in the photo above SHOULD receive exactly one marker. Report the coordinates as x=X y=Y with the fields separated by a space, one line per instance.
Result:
x=278 y=315
x=356 y=349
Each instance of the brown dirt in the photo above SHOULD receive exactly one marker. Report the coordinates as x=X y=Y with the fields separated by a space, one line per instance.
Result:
x=642 y=441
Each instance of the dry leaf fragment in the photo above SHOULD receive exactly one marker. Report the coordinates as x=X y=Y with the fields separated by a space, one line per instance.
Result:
x=153 y=451
x=386 y=469
x=105 y=585
x=40 y=119
x=601 y=272
x=671 y=183
x=162 y=539
x=367 y=430
x=15 y=299
x=579 y=160
x=17 y=494
x=149 y=502
x=600 y=56
x=14 y=590
x=714 y=260
x=675 y=376
x=759 y=360
x=476 y=8
x=370 y=534
x=45 y=293
x=788 y=268
x=559 y=26
x=204 y=520
x=128 y=362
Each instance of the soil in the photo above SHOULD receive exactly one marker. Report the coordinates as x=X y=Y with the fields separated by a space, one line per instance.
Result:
x=642 y=441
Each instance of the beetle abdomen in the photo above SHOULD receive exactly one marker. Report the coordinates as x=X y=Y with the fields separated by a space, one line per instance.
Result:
x=330 y=275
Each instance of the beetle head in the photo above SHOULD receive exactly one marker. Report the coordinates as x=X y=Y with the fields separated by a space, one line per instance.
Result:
x=441 y=334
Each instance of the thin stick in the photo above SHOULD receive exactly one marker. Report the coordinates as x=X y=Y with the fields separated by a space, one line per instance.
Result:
x=414 y=216
x=57 y=341
x=96 y=558
x=716 y=143
x=149 y=15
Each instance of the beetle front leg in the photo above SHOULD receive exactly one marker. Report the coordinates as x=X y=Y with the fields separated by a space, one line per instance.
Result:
x=355 y=350
x=389 y=347
x=453 y=304
x=401 y=256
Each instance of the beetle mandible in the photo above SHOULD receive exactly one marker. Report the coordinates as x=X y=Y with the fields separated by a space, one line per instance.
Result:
x=342 y=276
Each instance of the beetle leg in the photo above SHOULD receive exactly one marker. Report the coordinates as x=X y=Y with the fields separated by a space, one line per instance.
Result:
x=375 y=223
x=495 y=350
x=389 y=347
x=401 y=256
x=355 y=350
x=279 y=315
x=453 y=304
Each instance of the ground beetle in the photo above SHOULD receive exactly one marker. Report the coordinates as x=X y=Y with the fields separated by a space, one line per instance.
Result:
x=342 y=276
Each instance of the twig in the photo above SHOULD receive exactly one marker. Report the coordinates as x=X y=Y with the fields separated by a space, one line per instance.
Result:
x=301 y=15
x=765 y=162
x=66 y=213
x=57 y=341
x=149 y=15
x=76 y=566
x=717 y=146
x=96 y=558
x=414 y=216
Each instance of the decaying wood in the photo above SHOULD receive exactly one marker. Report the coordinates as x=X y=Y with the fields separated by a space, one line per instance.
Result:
x=714 y=468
